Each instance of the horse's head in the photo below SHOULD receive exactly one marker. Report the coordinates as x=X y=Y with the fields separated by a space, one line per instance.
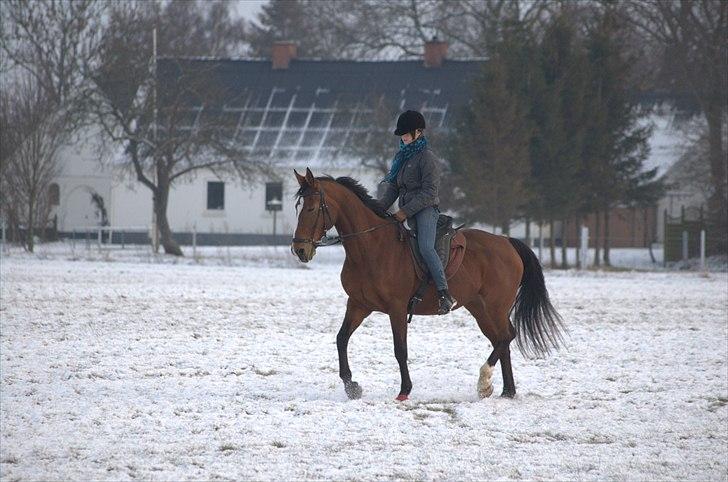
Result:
x=315 y=217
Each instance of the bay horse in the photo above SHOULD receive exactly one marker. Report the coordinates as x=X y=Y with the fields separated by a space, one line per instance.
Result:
x=498 y=276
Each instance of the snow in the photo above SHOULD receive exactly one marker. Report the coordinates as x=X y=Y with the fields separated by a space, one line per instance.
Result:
x=155 y=370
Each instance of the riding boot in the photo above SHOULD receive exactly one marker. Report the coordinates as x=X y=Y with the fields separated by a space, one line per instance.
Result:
x=446 y=302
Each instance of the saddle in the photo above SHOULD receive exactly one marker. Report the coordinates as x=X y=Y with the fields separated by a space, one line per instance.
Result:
x=450 y=246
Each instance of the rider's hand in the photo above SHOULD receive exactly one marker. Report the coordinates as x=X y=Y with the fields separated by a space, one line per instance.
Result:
x=400 y=216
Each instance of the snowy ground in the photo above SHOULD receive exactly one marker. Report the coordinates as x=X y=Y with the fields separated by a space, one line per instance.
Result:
x=136 y=370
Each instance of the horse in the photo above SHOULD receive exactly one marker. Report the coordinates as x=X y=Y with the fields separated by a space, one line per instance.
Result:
x=499 y=276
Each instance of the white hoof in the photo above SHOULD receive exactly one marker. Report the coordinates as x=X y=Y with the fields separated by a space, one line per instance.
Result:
x=485 y=384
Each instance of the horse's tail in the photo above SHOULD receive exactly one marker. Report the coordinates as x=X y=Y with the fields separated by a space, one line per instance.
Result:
x=537 y=323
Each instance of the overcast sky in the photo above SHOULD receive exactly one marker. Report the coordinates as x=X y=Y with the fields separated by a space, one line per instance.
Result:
x=249 y=8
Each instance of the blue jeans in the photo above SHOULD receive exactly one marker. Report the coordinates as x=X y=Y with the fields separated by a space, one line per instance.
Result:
x=426 y=223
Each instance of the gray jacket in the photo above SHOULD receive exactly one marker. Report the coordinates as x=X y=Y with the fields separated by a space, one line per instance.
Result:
x=417 y=184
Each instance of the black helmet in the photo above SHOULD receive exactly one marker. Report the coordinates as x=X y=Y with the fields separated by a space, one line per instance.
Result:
x=409 y=121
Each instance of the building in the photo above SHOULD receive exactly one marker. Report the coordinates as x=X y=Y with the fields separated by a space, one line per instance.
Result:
x=297 y=113
x=286 y=111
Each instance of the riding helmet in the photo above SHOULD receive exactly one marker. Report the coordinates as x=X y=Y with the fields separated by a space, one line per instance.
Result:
x=409 y=121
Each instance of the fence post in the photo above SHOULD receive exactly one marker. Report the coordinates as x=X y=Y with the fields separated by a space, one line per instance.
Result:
x=583 y=259
x=4 y=239
x=88 y=239
x=684 y=245
x=702 y=249
x=194 y=241
x=98 y=238
x=123 y=244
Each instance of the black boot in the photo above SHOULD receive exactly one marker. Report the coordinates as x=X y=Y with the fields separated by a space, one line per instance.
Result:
x=446 y=302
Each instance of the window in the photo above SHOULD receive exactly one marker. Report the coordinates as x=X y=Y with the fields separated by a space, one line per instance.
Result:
x=274 y=196
x=54 y=194
x=216 y=195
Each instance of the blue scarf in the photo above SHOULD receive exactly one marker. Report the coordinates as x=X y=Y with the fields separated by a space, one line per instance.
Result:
x=406 y=151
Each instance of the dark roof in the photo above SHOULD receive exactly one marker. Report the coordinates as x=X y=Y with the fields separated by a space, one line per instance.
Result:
x=308 y=111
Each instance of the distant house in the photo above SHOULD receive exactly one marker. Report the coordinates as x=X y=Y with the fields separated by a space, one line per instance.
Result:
x=286 y=111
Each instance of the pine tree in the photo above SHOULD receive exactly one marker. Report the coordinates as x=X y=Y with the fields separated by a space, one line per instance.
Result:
x=557 y=111
x=490 y=147
x=616 y=144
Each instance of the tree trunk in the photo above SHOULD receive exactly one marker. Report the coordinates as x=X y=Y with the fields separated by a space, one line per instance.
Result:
x=161 y=199
x=606 y=237
x=648 y=238
x=506 y=226
x=718 y=202
x=29 y=245
x=597 y=233
x=528 y=232
x=564 y=246
x=577 y=227
x=552 y=245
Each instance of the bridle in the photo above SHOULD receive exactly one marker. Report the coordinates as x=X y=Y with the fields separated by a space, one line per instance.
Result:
x=323 y=210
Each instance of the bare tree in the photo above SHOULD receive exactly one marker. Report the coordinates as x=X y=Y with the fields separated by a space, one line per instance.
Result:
x=31 y=136
x=52 y=41
x=185 y=128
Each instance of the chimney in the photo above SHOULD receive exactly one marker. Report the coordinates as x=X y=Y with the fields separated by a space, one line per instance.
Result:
x=435 y=52
x=282 y=53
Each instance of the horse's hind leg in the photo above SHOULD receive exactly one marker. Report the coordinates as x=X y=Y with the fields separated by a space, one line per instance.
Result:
x=355 y=314
x=500 y=335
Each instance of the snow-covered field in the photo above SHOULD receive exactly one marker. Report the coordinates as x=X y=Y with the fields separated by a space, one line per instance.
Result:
x=138 y=370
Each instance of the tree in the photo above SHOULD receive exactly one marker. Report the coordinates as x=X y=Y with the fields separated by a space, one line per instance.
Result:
x=52 y=41
x=616 y=145
x=31 y=136
x=692 y=35
x=558 y=114
x=184 y=129
x=490 y=155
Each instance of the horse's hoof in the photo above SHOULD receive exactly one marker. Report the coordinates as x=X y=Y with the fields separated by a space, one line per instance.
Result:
x=485 y=392
x=353 y=390
x=508 y=394
x=402 y=397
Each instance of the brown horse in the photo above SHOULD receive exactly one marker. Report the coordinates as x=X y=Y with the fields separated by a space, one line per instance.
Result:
x=379 y=275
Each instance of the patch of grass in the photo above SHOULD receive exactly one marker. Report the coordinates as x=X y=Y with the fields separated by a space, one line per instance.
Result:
x=227 y=447
x=264 y=373
x=278 y=444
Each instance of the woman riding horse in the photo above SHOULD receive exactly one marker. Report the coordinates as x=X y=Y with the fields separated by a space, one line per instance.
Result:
x=415 y=179
x=499 y=276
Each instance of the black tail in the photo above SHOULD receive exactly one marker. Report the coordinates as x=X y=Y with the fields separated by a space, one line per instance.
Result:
x=537 y=323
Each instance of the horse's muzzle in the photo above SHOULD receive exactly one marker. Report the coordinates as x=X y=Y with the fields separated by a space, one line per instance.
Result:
x=304 y=252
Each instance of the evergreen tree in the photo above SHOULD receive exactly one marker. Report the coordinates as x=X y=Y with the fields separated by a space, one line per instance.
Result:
x=616 y=144
x=489 y=155
x=557 y=112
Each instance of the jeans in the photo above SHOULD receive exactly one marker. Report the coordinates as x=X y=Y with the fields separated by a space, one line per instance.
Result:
x=426 y=225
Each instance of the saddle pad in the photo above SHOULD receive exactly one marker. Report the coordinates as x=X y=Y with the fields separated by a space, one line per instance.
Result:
x=451 y=258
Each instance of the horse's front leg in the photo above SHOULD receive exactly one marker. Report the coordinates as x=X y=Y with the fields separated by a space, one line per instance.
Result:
x=354 y=316
x=399 y=333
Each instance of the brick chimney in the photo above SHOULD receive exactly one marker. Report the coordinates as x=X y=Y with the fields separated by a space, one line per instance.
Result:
x=282 y=53
x=435 y=52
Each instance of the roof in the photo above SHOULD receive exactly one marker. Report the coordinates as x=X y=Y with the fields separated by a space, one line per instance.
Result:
x=310 y=111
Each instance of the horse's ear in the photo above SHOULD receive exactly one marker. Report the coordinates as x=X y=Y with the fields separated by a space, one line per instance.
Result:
x=301 y=179
x=310 y=179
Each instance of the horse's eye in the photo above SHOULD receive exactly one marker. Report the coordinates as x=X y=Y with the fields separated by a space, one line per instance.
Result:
x=309 y=209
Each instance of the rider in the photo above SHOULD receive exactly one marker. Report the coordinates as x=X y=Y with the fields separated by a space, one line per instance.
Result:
x=415 y=179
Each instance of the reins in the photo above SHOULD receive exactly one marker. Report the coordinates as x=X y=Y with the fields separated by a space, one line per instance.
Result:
x=331 y=240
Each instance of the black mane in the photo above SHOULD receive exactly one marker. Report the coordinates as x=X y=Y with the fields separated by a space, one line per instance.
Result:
x=353 y=186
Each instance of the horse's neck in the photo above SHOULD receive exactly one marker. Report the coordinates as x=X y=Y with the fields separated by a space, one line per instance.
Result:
x=355 y=217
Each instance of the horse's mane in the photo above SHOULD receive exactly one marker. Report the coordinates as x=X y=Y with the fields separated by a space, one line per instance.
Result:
x=355 y=187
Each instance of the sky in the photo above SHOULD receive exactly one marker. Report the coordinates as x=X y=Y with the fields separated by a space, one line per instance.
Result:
x=249 y=9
